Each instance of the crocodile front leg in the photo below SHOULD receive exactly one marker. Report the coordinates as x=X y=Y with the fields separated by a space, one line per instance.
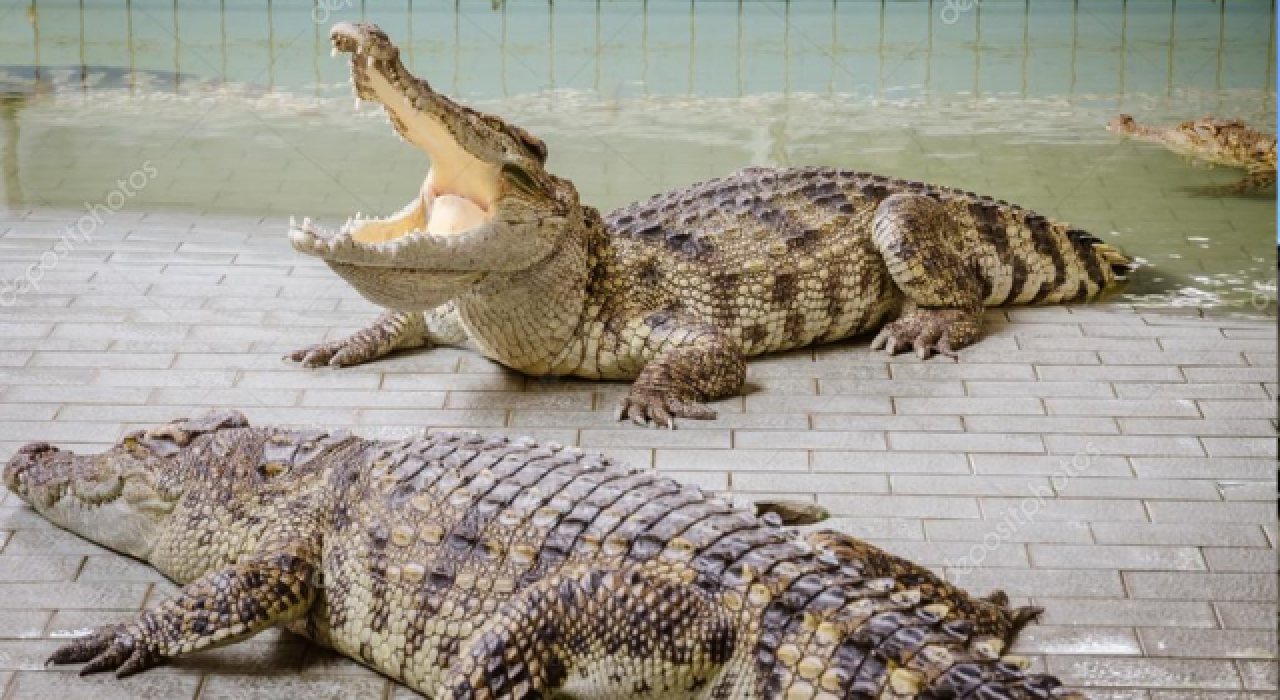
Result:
x=392 y=331
x=221 y=608
x=692 y=363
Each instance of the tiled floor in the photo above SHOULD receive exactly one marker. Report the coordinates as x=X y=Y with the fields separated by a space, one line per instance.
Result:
x=1114 y=465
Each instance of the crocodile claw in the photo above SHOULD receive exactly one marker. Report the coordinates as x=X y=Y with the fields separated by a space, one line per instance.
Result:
x=394 y=330
x=119 y=648
x=928 y=331
x=648 y=407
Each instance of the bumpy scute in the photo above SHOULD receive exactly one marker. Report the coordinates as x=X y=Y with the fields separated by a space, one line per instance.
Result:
x=675 y=291
x=473 y=566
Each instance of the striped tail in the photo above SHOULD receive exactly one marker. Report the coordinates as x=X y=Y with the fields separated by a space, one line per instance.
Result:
x=1026 y=258
x=901 y=632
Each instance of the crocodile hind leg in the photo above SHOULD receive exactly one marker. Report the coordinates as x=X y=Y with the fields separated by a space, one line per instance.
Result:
x=1255 y=181
x=991 y=615
x=221 y=608
x=893 y=631
x=692 y=363
x=393 y=330
x=600 y=634
x=919 y=242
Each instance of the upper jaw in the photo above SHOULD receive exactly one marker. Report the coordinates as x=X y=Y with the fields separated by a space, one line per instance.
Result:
x=371 y=53
x=463 y=145
x=419 y=114
x=363 y=38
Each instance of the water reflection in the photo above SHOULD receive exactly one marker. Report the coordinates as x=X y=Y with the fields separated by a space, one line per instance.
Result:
x=242 y=110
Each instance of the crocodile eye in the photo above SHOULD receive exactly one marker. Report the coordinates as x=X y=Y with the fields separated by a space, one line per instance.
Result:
x=522 y=180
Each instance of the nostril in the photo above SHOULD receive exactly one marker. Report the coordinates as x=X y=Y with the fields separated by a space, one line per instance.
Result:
x=36 y=448
x=15 y=471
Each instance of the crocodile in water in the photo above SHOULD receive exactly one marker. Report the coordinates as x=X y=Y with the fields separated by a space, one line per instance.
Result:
x=1216 y=141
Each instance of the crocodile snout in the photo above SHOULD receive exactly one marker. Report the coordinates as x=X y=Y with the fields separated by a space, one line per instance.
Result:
x=362 y=38
x=15 y=472
x=1122 y=124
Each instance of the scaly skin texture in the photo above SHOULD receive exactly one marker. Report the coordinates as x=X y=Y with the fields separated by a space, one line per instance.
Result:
x=677 y=291
x=475 y=567
x=1216 y=141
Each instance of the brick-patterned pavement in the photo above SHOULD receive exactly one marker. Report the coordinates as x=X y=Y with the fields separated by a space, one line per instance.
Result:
x=1115 y=465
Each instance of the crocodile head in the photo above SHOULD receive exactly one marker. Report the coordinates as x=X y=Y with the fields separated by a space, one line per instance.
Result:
x=484 y=207
x=1221 y=141
x=121 y=498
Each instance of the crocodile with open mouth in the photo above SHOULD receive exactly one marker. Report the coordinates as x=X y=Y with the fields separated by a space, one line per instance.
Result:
x=675 y=291
x=484 y=568
x=1228 y=142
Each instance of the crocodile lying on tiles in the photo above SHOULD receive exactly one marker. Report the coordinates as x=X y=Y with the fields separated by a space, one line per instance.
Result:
x=474 y=567
x=1217 y=141
x=676 y=291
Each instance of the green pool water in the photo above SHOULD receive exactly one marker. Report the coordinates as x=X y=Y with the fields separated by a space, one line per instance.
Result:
x=237 y=108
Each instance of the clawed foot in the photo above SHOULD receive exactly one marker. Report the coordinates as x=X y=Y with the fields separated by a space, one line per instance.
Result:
x=392 y=331
x=339 y=353
x=660 y=408
x=120 y=648
x=928 y=331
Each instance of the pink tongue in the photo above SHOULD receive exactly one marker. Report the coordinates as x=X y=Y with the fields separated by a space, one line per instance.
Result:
x=453 y=214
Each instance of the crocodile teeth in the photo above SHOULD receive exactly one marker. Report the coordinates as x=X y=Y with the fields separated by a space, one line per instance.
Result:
x=303 y=241
x=341 y=243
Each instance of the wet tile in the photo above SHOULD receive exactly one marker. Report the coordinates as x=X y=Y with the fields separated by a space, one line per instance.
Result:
x=1148 y=673
x=1209 y=644
x=246 y=687
x=157 y=684
x=1129 y=613
x=1202 y=586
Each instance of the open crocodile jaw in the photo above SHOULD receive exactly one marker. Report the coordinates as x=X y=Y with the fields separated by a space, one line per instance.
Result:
x=467 y=183
x=460 y=192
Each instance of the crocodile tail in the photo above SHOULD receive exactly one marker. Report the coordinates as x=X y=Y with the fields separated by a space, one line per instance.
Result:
x=901 y=632
x=1105 y=253
x=991 y=616
x=1027 y=258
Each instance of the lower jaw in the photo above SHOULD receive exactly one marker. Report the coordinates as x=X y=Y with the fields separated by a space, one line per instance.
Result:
x=405 y=289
